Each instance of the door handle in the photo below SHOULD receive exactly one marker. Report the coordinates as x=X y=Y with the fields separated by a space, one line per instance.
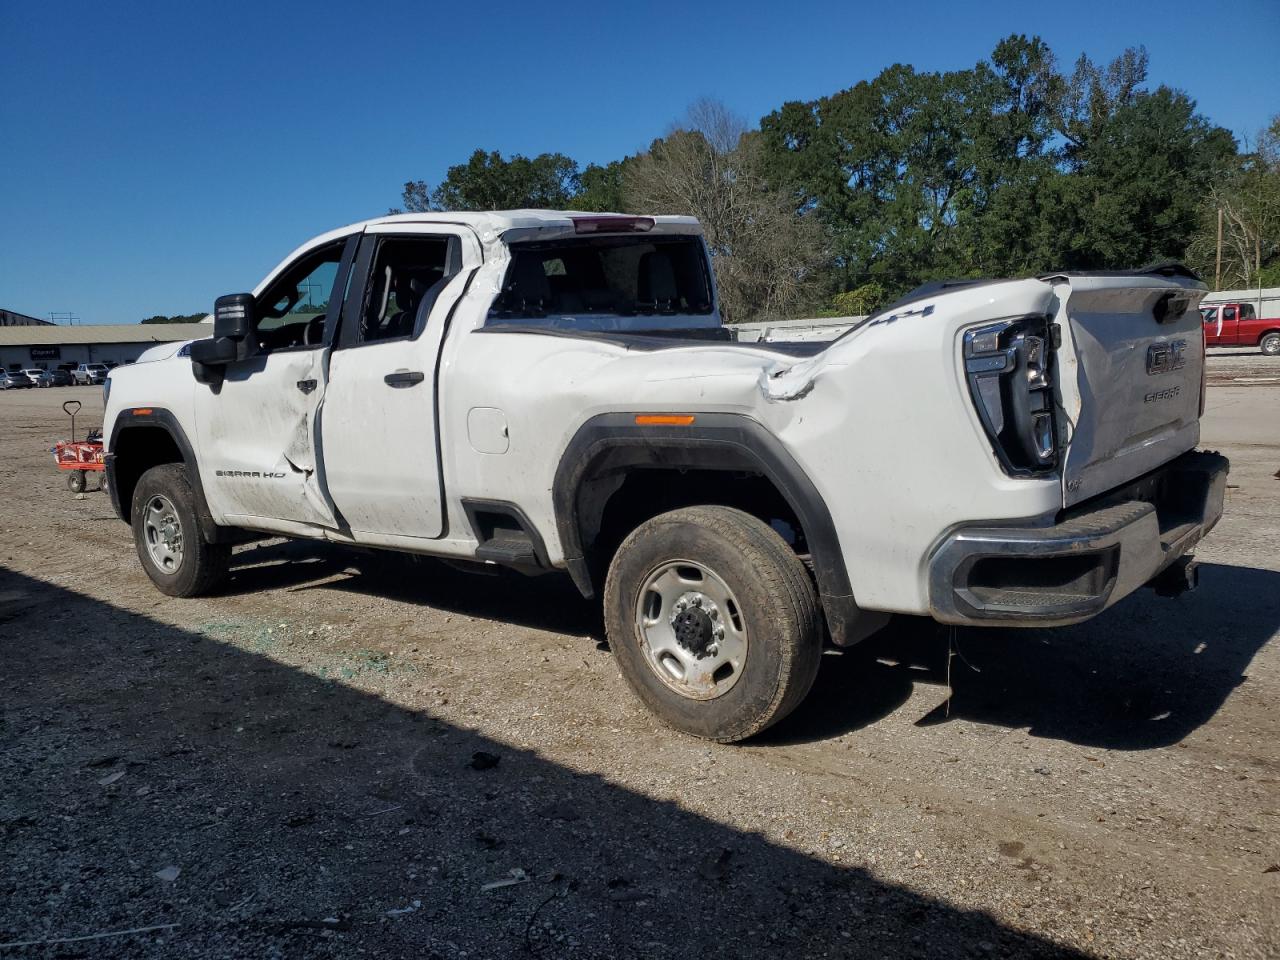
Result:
x=306 y=386
x=405 y=378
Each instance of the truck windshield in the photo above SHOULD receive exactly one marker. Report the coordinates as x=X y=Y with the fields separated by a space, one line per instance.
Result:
x=618 y=283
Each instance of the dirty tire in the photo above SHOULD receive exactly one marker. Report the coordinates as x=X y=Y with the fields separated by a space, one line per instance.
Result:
x=778 y=605
x=1270 y=344
x=75 y=481
x=204 y=565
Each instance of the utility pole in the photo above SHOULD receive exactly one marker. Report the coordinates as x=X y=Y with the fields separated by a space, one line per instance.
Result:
x=1217 y=273
x=1257 y=263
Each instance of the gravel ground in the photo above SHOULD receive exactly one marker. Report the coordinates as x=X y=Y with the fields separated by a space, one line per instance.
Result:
x=339 y=757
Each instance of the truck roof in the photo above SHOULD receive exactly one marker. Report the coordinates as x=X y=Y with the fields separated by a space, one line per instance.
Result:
x=501 y=220
x=491 y=226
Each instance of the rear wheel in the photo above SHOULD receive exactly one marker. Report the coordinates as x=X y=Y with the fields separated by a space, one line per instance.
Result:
x=714 y=621
x=75 y=481
x=1270 y=344
x=166 y=531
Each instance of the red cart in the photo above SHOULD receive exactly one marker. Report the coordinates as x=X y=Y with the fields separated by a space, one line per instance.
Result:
x=80 y=457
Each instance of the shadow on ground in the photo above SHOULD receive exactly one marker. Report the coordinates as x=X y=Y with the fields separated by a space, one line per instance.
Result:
x=309 y=818
x=1143 y=675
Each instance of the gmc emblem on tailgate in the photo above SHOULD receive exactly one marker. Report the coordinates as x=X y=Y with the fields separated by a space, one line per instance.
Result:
x=1165 y=357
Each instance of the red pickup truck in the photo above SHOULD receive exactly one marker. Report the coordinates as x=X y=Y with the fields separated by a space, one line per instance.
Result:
x=1238 y=325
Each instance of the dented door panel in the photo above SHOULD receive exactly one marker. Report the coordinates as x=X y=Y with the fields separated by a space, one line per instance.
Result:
x=258 y=430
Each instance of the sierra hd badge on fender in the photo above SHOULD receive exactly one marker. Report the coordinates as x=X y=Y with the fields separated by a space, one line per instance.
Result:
x=1166 y=357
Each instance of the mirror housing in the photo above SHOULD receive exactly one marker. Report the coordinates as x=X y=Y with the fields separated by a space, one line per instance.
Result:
x=233 y=316
x=214 y=352
x=233 y=321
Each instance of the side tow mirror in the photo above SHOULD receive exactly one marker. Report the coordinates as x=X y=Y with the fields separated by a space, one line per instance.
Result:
x=233 y=320
x=233 y=315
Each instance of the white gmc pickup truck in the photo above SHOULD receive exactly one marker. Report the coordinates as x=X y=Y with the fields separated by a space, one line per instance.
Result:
x=555 y=391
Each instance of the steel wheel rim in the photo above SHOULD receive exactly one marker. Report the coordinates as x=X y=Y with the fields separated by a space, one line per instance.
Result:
x=691 y=629
x=162 y=531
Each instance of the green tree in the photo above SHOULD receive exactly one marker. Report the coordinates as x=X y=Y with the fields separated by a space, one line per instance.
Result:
x=1009 y=167
x=1247 y=195
x=601 y=188
x=180 y=318
x=488 y=181
x=1137 y=183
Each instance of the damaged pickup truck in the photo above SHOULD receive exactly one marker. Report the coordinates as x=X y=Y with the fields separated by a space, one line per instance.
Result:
x=555 y=391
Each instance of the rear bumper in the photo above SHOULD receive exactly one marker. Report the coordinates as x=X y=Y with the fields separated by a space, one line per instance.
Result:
x=1095 y=554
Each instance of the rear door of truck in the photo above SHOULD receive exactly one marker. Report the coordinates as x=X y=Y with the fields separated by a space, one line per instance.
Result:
x=379 y=432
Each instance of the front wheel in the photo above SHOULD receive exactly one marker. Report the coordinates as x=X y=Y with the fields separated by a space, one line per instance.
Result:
x=714 y=621
x=166 y=531
x=1270 y=344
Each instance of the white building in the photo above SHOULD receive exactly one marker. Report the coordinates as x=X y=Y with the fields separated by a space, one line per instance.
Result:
x=47 y=347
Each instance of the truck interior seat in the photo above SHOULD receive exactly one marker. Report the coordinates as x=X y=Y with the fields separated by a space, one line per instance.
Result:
x=656 y=290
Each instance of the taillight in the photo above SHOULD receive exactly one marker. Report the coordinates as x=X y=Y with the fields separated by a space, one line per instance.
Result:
x=1009 y=366
x=1204 y=366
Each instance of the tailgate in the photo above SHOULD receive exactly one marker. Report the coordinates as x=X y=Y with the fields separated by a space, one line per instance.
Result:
x=1130 y=369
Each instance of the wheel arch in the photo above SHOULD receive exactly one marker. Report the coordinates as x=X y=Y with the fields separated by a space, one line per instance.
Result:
x=610 y=448
x=147 y=437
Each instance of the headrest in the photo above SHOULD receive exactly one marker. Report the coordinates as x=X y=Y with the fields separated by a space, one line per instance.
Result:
x=657 y=281
x=530 y=281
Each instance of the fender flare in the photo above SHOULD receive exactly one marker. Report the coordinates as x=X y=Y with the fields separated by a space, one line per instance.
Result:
x=135 y=417
x=716 y=441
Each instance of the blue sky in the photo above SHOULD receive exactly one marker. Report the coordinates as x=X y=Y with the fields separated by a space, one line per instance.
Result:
x=153 y=156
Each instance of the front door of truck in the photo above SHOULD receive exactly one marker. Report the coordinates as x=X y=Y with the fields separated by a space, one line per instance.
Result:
x=378 y=432
x=257 y=430
x=1229 y=332
x=1212 y=326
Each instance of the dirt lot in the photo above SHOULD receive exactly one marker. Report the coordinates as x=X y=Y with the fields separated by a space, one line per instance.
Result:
x=305 y=766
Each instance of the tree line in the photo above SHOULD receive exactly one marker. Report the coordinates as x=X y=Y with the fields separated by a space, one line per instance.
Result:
x=1012 y=167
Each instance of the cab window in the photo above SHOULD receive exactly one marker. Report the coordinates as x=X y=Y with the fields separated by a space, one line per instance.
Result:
x=291 y=311
x=1210 y=314
x=626 y=282
x=405 y=280
x=1228 y=313
x=1246 y=311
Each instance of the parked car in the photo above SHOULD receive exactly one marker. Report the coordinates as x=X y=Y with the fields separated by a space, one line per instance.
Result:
x=90 y=373
x=55 y=378
x=14 y=380
x=555 y=391
x=1238 y=325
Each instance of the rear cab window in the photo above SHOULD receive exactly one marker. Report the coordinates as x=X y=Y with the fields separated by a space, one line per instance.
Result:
x=622 y=283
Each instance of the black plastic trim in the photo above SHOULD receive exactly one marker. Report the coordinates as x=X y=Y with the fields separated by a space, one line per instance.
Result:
x=159 y=417
x=670 y=339
x=474 y=507
x=716 y=441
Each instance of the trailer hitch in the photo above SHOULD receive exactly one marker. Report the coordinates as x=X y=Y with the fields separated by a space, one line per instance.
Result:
x=1176 y=579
